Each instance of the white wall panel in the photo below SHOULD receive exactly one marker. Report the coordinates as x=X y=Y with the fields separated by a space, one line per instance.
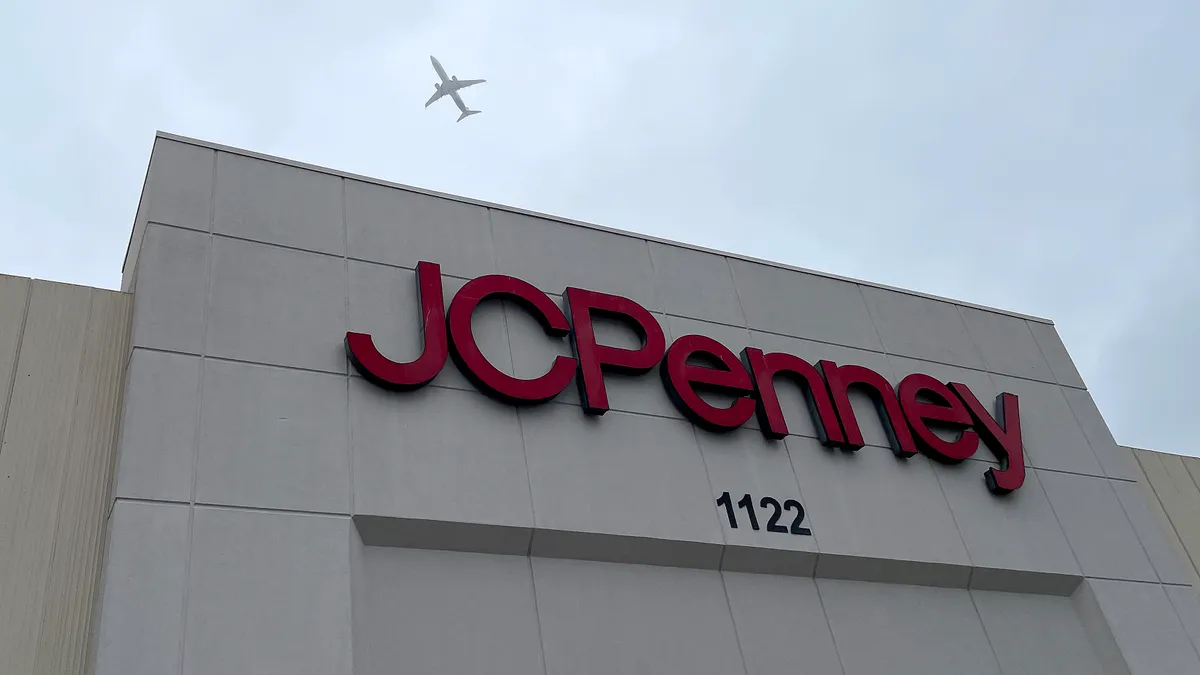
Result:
x=416 y=456
x=403 y=228
x=1146 y=628
x=696 y=284
x=169 y=307
x=1036 y=635
x=922 y=328
x=273 y=438
x=1056 y=354
x=607 y=619
x=867 y=526
x=158 y=434
x=625 y=475
x=1006 y=344
x=278 y=204
x=1100 y=533
x=552 y=255
x=804 y=305
x=141 y=619
x=440 y=612
x=906 y=630
x=268 y=593
x=277 y=306
x=1010 y=536
x=179 y=186
x=781 y=625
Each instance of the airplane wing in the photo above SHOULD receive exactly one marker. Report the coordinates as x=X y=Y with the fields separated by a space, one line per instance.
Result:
x=458 y=101
x=467 y=83
x=440 y=70
x=436 y=95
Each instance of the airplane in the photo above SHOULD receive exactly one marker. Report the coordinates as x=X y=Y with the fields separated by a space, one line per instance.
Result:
x=450 y=86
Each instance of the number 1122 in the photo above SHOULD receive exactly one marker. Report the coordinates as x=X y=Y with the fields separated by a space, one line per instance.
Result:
x=746 y=503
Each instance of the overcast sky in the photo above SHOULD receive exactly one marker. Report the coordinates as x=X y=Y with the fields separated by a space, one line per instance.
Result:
x=1037 y=156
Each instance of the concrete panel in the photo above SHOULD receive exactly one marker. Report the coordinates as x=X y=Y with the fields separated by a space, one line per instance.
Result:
x=1015 y=541
x=172 y=283
x=1184 y=496
x=922 y=328
x=621 y=474
x=277 y=306
x=278 y=204
x=1006 y=344
x=533 y=352
x=179 y=186
x=791 y=398
x=1146 y=629
x=745 y=463
x=72 y=575
x=273 y=438
x=1179 y=499
x=439 y=455
x=802 y=305
x=268 y=593
x=1193 y=468
x=553 y=256
x=695 y=284
x=781 y=625
x=438 y=612
x=1115 y=461
x=384 y=304
x=403 y=228
x=1154 y=531
x=1187 y=605
x=158 y=434
x=883 y=510
x=881 y=628
x=141 y=617
x=35 y=459
x=1052 y=438
x=1036 y=634
x=606 y=619
x=1056 y=354
x=14 y=297
x=1100 y=533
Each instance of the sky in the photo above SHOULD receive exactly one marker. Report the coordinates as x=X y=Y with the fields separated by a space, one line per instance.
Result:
x=1041 y=157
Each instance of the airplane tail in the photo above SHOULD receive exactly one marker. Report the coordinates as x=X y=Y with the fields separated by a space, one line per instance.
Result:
x=467 y=114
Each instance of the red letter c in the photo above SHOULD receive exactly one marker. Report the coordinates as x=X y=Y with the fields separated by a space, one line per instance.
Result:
x=475 y=365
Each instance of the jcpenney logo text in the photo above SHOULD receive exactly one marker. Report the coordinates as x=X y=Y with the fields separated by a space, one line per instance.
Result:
x=693 y=364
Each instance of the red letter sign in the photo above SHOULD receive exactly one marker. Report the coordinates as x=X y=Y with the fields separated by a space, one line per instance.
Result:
x=841 y=378
x=594 y=358
x=1004 y=443
x=475 y=365
x=764 y=368
x=380 y=370
x=726 y=377
x=946 y=409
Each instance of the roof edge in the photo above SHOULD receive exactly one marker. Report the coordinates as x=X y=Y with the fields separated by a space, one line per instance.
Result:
x=578 y=223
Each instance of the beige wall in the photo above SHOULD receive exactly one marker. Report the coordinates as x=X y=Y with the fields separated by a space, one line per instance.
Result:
x=63 y=351
x=1173 y=487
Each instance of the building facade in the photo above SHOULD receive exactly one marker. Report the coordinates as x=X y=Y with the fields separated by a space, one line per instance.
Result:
x=366 y=429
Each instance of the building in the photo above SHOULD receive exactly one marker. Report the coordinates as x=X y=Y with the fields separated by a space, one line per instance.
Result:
x=332 y=426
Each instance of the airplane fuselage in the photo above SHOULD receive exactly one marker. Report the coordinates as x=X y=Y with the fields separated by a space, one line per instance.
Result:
x=449 y=86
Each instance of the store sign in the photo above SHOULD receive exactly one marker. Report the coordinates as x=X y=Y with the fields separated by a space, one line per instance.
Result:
x=693 y=364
